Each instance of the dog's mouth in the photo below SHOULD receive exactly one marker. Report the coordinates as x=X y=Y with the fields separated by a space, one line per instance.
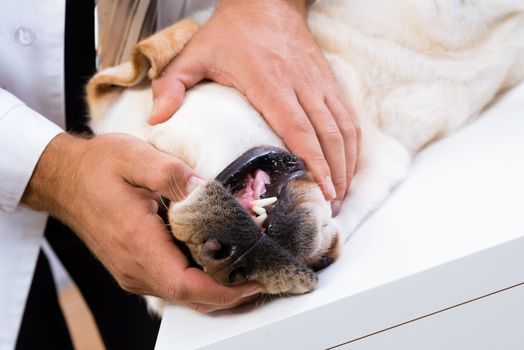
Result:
x=258 y=177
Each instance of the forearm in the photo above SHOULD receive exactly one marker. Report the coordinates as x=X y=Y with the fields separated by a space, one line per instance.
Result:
x=51 y=184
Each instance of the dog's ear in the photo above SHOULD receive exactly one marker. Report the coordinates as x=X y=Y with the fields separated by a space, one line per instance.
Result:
x=148 y=59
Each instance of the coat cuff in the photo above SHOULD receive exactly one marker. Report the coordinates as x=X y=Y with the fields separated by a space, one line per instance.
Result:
x=24 y=135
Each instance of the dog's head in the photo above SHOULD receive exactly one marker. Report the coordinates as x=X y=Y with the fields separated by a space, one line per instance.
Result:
x=262 y=219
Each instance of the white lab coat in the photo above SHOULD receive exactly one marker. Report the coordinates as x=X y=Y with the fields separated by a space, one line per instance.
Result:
x=31 y=70
x=31 y=114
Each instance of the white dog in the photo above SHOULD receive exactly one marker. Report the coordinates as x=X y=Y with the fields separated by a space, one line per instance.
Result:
x=414 y=70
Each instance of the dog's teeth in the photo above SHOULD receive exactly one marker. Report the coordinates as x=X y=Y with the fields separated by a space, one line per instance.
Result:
x=259 y=210
x=260 y=219
x=261 y=203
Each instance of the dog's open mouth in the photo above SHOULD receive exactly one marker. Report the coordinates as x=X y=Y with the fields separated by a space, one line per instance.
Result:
x=257 y=178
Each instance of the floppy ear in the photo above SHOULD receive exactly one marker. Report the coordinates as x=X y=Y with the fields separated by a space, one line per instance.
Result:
x=148 y=58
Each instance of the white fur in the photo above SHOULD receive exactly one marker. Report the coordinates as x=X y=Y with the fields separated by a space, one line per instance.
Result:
x=414 y=70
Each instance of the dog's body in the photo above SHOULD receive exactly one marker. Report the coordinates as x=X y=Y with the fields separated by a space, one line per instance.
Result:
x=413 y=70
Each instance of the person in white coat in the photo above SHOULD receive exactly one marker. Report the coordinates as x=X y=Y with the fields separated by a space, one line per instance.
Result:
x=107 y=188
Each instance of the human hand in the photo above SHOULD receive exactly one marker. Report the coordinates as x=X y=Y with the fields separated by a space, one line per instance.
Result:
x=265 y=50
x=107 y=190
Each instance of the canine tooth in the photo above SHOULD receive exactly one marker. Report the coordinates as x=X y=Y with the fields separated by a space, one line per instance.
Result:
x=264 y=202
x=259 y=210
x=260 y=219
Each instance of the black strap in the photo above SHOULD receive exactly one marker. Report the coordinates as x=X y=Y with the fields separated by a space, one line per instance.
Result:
x=80 y=60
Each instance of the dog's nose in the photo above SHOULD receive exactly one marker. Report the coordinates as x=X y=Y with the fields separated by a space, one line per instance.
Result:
x=214 y=250
x=219 y=261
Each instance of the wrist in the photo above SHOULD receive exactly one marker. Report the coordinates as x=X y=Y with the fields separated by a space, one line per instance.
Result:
x=298 y=6
x=51 y=185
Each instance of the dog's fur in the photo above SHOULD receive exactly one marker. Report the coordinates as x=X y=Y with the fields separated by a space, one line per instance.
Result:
x=414 y=70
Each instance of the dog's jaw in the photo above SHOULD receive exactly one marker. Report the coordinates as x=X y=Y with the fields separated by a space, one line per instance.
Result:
x=283 y=258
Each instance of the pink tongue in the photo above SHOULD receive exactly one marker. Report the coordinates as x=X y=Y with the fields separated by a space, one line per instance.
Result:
x=255 y=187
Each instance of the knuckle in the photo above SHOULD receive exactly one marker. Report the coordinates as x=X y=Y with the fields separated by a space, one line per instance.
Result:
x=301 y=126
x=172 y=169
x=177 y=292
x=196 y=307
x=168 y=166
x=122 y=272
x=204 y=309
x=348 y=130
x=275 y=65
x=332 y=135
x=283 y=107
x=339 y=181
x=125 y=284
x=317 y=112
x=306 y=77
x=162 y=172
x=224 y=300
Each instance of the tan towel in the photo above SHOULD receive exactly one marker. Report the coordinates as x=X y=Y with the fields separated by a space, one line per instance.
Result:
x=148 y=59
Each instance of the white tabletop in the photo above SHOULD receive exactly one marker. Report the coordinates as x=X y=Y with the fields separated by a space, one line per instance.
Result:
x=464 y=194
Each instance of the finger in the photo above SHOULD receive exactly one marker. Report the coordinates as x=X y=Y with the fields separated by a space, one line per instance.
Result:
x=149 y=200
x=169 y=88
x=154 y=261
x=161 y=172
x=329 y=135
x=196 y=286
x=137 y=284
x=286 y=117
x=202 y=308
x=206 y=308
x=346 y=125
x=353 y=115
x=168 y=94
x=168 y=275
x=174 y=280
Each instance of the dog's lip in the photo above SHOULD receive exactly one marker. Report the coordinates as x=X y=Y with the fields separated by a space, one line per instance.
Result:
x=281 y=166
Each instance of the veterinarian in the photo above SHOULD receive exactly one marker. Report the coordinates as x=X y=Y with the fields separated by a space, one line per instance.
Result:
x=107 y=188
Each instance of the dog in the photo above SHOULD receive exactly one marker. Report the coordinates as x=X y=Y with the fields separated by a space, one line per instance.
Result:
x=414 y=71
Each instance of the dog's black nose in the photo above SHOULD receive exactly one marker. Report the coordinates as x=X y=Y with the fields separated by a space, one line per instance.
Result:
x=218 y=259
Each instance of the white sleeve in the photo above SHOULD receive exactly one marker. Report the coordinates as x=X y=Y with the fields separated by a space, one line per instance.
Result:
x=24 y=134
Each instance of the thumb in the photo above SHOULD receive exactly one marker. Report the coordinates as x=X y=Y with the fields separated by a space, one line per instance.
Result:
x=169 y=88
x=162 y=173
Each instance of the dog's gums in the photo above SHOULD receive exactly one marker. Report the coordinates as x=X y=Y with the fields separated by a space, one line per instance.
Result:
x=281 y=166
x=257 y=178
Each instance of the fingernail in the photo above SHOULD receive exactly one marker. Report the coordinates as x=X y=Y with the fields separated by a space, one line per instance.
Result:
x=335 y=207
x=330 y=188
x=193 y=183
x=158 y=106
x=252 y=291
x=154 y=109
x=151 y=121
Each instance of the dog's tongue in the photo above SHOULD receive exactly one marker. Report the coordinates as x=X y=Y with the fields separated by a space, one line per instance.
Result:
x=255 y=187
